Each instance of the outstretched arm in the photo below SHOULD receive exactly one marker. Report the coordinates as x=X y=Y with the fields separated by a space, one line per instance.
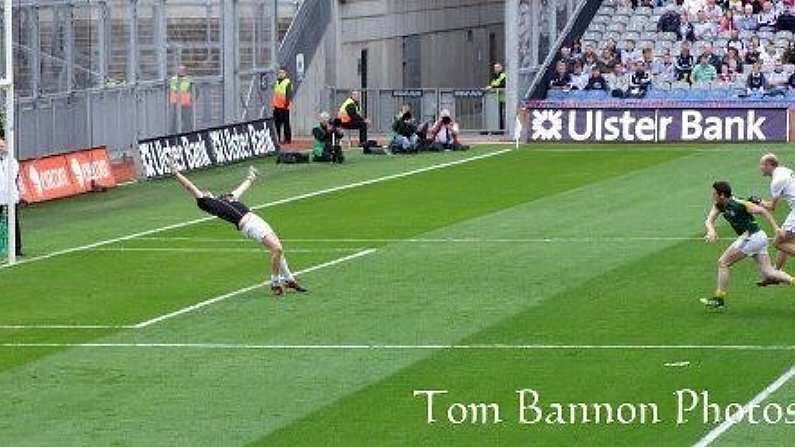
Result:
x=187 y=184
x=250 y=179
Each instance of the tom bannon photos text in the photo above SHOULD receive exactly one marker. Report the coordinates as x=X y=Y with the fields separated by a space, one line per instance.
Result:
x=529 y=407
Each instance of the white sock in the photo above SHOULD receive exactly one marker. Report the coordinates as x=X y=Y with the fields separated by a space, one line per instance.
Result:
x=275 y=280
x=286 y=274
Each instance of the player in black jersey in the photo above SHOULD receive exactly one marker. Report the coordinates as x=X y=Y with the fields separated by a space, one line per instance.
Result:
x=229 y=208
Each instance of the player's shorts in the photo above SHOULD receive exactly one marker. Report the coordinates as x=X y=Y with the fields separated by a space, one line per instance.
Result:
x=789 y=223
x=752 y=245
x=254 y=227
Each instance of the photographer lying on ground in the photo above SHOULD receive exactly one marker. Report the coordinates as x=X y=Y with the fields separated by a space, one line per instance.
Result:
x=445 y=134
x=327 y=135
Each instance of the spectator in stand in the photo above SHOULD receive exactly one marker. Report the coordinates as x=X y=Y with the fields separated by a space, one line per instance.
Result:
x=561 y=80
x=692 y=7
x=596 y=81
x=648 y=58
x=611 y=45
x=756 y=6
x=754 y=54
x=566 y=57
x=778 y=78
x=735 y=42
x=791 y=81
x=704 y=72
x=713 y=11
x=630 y=55
x=756 y=82
x=608 y=61
x=576 y=49
x=736 y=6
x=732 y=59
x=589 y=61
x=686 y=30
x=770 y=54
x=725 y=77
x=664 y=69
x=747 y=21
x=712 y=58
x=639 y=81
x=788 y=57
x=726 y=25
x=768 y=17
x=579 y=78
x=735 y=66
x=617 y=82
x=684 y=63
x=704 y=28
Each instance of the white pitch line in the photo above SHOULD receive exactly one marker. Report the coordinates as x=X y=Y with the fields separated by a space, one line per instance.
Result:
x=62 y=326
x=398 y=347
x=217 y=250
x=225 y=296
x=461 y=240
x=716 y=432
x=261 y=206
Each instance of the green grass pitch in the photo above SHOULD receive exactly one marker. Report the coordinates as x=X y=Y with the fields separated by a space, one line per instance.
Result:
x=571 y=270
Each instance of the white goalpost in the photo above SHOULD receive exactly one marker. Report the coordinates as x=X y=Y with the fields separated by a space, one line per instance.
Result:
x=7 y=84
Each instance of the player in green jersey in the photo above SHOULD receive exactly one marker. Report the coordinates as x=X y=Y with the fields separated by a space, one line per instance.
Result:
x=751 y=241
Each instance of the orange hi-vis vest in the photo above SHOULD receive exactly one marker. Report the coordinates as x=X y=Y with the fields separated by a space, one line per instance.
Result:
x=280 y=99
x=180 y=91
x=343 y=113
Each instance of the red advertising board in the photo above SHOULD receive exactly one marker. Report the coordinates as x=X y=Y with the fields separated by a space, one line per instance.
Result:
x=65 y=175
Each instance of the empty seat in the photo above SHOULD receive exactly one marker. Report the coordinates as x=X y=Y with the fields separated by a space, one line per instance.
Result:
x=631 y=35
x=592 y=35
x=617 y=27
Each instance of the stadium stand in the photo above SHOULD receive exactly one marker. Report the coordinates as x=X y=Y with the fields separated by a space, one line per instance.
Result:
x=665 y=40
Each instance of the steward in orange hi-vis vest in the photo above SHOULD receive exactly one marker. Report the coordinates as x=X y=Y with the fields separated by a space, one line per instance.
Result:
x=282 y=98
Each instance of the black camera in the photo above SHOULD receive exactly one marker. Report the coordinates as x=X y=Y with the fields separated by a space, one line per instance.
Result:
x=446 y=120
x=336 y=122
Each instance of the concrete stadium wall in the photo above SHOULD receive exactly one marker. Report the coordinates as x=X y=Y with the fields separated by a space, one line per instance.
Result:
x=410 y=44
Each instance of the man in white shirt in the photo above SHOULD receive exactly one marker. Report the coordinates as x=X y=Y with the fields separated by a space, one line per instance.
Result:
x=9 y=168
x=782 y=187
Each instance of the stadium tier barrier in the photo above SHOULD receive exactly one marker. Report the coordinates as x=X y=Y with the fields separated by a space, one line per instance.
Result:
x=644 y=121
x=205 y=148
x=65 y=175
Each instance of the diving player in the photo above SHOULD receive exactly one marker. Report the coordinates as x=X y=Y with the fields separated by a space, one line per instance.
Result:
x=229 y=208
x=752 y=240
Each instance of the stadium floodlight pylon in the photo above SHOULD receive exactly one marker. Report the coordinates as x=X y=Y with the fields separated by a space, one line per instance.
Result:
x=7 y=84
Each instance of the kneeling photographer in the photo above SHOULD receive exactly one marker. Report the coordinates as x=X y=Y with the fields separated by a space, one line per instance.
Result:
x=445 y=134
x=327 y=135
x=406 y=138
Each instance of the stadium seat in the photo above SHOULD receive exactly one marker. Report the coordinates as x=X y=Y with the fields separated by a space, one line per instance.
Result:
x=618 y=27
x=592 y=35
x=784 y=35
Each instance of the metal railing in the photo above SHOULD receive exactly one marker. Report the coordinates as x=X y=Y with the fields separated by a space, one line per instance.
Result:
x=116 y=117
x=475 y=110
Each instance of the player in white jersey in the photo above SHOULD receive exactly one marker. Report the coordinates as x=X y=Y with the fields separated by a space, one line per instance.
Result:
x=782 y=188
